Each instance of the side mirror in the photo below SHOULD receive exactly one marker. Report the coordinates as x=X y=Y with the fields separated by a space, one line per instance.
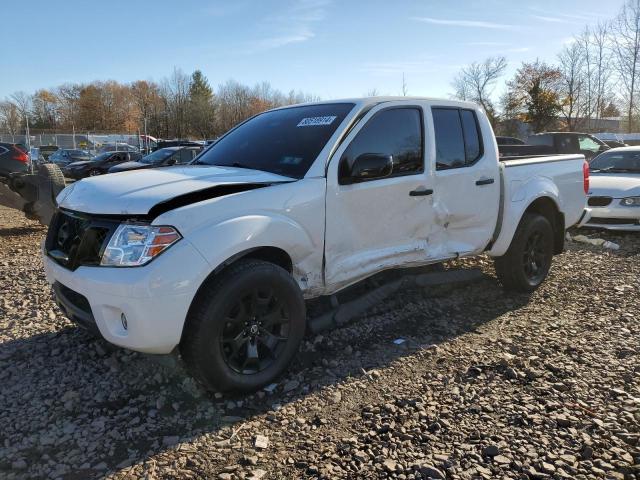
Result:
x=171 y=161
x=603 y=148
x=368 y=166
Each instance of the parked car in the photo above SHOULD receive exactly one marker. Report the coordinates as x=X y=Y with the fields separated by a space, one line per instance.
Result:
x=63 y=157
x=614 y=190
x=35 y=157
x=556 y=143
x=295 y=203
x=47 y=150
x=509 y=141
x=117 y=147
x=98 y=165
x=13 y=159
x=160 y=158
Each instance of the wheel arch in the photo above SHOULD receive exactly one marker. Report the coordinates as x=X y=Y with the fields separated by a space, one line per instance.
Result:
x=270 y=254
x=548 y=208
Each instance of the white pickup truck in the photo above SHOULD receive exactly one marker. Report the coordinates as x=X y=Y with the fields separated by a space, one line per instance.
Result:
x=216 y=258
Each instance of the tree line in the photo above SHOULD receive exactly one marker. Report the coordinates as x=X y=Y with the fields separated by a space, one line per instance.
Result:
x=179 y=106
x=596 y=75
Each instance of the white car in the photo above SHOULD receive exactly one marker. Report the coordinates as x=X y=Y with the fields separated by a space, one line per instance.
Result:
x=216 y=258
x=614 y=191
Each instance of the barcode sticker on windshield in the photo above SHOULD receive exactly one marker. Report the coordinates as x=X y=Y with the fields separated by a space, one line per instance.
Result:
x=316 y=121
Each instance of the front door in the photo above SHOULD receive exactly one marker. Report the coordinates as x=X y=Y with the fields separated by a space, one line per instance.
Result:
x=378 y=222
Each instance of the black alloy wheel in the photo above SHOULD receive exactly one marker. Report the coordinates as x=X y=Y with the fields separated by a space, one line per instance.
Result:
x=255 y=332
x=535 y=257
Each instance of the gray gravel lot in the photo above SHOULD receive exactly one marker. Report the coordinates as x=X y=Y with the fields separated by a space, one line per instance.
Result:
x=485 y=385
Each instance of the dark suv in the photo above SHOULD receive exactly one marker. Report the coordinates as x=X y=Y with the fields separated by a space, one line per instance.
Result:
x=13 y=158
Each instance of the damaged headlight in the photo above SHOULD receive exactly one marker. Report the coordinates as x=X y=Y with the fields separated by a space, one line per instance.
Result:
x=134 y=245
x=630 y=202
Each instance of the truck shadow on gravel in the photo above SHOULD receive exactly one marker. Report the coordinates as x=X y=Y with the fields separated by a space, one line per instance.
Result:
x=19 y=231
x=75 y=407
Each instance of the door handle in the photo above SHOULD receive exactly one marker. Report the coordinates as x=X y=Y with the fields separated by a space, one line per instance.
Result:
x=485 y=181
x=420 y=193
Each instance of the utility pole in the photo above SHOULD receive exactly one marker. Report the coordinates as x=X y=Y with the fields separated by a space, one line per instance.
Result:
x=146 y=137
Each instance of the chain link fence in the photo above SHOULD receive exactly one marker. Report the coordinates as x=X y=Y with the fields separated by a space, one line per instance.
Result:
x=84 y=141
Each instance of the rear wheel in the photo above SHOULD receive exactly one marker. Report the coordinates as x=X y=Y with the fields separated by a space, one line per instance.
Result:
x=94 y=172
x=244 y=327
x=527 y=262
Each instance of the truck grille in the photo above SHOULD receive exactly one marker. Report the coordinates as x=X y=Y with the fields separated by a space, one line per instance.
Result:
x=77 y=239
x=599 y=201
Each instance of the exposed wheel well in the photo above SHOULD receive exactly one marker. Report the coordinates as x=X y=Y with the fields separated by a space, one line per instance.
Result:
x=546 y=207
x=270 y=254
x=273 y=255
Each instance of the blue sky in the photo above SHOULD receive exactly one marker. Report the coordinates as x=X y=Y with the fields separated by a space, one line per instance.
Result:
x=329 y=48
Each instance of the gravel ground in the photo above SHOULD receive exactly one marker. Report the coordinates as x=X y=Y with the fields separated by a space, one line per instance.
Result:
x=485 y=385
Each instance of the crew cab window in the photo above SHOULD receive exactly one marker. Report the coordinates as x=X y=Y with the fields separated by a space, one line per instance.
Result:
x=396 y=132
x=457 y=137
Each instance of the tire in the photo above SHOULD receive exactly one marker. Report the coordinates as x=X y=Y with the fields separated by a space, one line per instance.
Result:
x=526 y=263
x=94 y=172
x=52 y=173
x=252 y=309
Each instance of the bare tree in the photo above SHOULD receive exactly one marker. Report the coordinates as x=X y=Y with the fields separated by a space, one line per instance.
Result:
x=626 y=50
x=476 y=82
x=372 y=93
x=10 y=118
x=601 y=70
x=175 y=91
x=572 y=83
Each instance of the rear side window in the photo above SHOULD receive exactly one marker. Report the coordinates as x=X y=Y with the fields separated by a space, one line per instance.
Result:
x=396 y=132
x=457 y=137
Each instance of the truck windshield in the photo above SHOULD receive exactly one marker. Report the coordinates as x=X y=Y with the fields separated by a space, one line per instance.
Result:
x=285 y=141
x=621 y=161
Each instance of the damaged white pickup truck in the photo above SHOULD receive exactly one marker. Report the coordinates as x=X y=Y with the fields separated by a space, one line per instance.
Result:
x=216 y=258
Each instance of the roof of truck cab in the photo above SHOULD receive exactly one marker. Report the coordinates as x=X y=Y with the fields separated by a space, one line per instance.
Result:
x=368 y=101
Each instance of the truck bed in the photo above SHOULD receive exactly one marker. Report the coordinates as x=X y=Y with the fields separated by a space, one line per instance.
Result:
x=534 y=159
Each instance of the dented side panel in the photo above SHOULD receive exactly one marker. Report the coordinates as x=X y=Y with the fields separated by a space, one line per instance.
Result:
x=287 y=216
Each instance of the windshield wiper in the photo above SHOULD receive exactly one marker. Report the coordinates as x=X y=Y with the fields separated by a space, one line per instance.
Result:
x=240 y=165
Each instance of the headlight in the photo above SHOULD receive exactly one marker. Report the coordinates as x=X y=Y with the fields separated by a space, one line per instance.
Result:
x=630 y=202
x=134 y=245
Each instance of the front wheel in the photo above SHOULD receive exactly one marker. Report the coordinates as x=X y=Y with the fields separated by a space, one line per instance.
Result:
x=244 y=327
x=526 y=263
x=94 y=172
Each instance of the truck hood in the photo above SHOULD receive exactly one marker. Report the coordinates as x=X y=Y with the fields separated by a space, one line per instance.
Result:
x=616 y=185
x=137 y=192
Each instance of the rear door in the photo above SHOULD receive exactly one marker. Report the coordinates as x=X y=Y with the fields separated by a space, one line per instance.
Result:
x=467 y=182
x=379 y=222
